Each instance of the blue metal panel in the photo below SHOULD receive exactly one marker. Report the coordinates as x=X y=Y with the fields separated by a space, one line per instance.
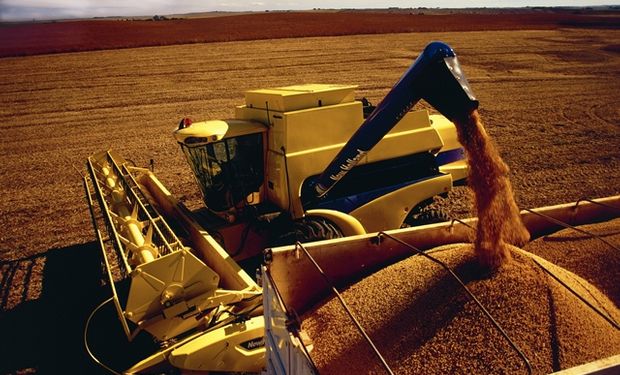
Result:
x=451 y=156
x=352 y=202
x=434 y=76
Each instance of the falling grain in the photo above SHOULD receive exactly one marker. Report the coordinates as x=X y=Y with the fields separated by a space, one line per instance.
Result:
x=499 y=222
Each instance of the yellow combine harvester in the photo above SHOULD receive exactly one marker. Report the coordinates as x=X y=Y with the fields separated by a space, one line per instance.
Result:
x=298 y=164
x=267 y=180
x=256 y=172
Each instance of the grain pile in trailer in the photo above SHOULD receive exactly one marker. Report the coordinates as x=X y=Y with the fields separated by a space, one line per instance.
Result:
x=423 y=322
x=586 y=256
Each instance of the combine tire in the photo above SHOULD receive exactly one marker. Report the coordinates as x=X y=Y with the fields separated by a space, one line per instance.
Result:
x=314 y=228
x=309 y=229
x=426 y=215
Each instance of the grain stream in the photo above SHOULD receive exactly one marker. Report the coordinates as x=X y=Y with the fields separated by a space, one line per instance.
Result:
x=499 y=222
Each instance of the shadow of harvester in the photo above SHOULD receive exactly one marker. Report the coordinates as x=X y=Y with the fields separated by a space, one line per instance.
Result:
x=46 y=334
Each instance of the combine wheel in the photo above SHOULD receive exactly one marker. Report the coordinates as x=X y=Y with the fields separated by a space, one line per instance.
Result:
x=426 y=214
x=309 y=229
x=314 y=228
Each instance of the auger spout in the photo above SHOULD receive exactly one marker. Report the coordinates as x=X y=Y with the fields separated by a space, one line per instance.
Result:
x=434 y=76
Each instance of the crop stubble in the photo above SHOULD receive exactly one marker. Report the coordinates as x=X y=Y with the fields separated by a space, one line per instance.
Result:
x=87 y=35
x=549 y=99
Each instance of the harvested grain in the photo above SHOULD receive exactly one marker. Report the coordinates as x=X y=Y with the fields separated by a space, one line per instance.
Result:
x=423 y=322
x=588 y=257
x=499 y=222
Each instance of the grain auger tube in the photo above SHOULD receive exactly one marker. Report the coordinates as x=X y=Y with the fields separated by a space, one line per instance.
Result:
x=434 y=76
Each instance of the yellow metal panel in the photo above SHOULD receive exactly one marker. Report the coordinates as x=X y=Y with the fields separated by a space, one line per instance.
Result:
x=277 y=187
x=457 y=169
x=235 y=347
x=277 y=133
x=447 y=132
x=389 y=211
x=413 y=120
x=411 y=135
x=319 y=127
x=166 y=286
x=309 y=128
x=404 y=143
x=349 y=225
x=292 y=98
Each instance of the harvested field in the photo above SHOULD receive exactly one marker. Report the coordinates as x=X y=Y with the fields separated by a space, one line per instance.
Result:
x=74 y=36
x=551 y=109
x=549 y=99
x=423 y=322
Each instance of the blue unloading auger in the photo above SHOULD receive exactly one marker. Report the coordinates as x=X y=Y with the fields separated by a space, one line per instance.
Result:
x=434 y=76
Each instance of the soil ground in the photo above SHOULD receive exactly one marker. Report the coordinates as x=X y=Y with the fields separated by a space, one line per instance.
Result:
x=549 y=98
x=87 y=35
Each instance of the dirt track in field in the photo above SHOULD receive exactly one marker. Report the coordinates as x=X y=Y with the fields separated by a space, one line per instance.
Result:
x=549 y=98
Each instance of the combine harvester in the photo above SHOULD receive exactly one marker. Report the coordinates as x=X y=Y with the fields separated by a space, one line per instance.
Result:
x=268 y=183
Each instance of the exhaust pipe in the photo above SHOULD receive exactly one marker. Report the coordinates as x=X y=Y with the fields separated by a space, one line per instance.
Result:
x=434 y=76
